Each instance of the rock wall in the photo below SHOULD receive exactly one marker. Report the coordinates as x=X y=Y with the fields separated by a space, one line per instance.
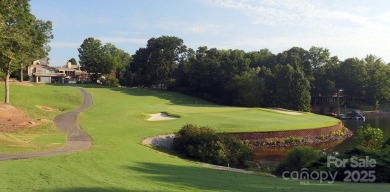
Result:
x=257 y=136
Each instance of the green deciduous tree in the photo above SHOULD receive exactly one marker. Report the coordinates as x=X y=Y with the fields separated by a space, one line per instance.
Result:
x=22 y=38
x=73 y=61
x=378 y=80
x=325 y=78
x=156 y=63
x=248 y=88
x=41 y=35
x=93 y=58
x=369 y=137
x=119 y=59
x=325 y=70
x=264 y=57
x=352 y=77
x=292 y=89
x=103 y=60
x=14 y=39
x=298 y=58
x=318 y=57
x=288 y=79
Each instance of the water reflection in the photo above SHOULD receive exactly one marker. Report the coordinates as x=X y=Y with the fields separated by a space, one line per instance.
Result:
x=382 y=122
x=277 y=154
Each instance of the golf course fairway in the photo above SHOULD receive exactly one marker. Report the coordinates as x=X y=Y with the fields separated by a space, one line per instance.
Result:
x=118 y=162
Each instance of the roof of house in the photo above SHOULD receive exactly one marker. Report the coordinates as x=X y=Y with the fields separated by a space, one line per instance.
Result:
x=68 y=69
x=38 y=64
x=43 y=61
x=44 y=67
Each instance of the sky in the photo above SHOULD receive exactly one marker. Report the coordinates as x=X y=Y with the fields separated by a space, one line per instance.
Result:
x=347 y=28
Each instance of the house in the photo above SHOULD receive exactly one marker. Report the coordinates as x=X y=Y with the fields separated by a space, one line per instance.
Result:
x=41 y=72
x=336 y=97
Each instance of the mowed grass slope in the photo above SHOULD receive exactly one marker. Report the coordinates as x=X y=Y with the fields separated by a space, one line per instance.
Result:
x=44 y=135
x=118 y=162
x=221 y=118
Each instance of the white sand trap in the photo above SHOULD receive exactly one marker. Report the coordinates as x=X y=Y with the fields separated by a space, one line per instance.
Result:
x=160 y=141
x=160 y=117
x=285 y=111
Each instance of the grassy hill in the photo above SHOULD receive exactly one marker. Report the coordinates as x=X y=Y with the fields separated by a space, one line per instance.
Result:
x=118 y=162
x=41 y=103
x=141 y=102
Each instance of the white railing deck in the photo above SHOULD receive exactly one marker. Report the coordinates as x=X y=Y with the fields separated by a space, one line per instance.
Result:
x=49 y=74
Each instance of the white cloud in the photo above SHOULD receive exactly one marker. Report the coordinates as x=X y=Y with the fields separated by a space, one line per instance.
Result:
x=348 y=29
x=201 y=28
x=385 y=18
x=120 y=33
x=291 y=12
x=64 y=44
x=355 y=45
x=188 y=27
x=123 y=40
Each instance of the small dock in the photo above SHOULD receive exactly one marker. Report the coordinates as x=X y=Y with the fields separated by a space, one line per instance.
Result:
x=354 y=116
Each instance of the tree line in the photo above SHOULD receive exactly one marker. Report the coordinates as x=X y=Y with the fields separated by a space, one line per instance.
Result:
x=254 y=79
x=105 y=61
x=232 y=77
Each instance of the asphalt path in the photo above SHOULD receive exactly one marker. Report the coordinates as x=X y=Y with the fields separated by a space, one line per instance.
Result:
x=77 y=139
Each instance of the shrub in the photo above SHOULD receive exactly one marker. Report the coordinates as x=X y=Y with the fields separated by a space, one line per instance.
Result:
x=370 y=137
x=298 y=158
x=381 y=169
x=387 y=143
x=238 y=152
x=204 y=144
x=199 y=143
x=112 y=81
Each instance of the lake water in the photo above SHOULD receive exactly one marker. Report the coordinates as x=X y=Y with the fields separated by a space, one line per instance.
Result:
x=382 y=122
x=277 y=154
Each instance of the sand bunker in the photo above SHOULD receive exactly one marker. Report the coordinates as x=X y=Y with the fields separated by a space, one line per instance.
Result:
x=160 y=117
x=160 y=141
x=285 y=111
x=46 y=108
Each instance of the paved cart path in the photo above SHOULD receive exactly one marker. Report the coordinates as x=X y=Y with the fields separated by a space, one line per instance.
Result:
x=77 y=139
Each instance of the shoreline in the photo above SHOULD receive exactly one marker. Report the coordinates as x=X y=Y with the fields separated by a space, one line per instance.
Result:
x=265 y=140
x=376 y=113
x=309 y=140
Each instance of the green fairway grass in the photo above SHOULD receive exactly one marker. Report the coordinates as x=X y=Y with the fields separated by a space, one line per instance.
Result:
x=200 y=112
x=118 y=162
x=44 y=135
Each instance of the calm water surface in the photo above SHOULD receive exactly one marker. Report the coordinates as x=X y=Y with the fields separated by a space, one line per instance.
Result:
x=382 y=122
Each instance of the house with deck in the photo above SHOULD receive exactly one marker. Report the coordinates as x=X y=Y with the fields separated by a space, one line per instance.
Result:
x=41 y=72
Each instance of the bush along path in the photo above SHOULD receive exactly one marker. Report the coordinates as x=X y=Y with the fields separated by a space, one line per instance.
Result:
x=77 y=139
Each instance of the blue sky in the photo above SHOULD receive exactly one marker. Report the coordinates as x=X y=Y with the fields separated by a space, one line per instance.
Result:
x=347 y=28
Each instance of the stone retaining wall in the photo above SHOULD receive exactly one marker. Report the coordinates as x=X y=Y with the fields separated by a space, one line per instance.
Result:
x=257 y=136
